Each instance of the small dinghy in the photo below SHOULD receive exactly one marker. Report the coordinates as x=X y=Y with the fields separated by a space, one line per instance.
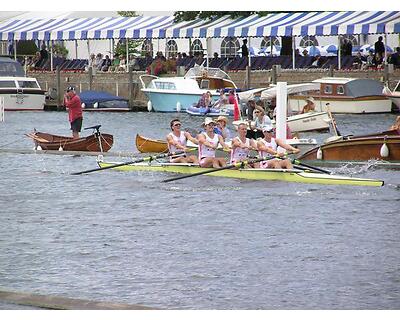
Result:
x=96 y=142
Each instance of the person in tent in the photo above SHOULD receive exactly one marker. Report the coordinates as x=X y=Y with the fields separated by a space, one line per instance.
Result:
x=177 y=140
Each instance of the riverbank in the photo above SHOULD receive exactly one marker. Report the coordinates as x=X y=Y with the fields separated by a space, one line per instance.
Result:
x=117 y=83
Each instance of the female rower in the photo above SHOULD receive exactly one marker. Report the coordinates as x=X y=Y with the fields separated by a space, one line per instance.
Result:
x=208 y=143
x=241 y=145
x=177 y=140
x=267 y=147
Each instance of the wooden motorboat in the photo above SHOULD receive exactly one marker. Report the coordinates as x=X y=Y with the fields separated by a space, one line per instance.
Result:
x=380 y=146
x=96 y=142
x=148 y=145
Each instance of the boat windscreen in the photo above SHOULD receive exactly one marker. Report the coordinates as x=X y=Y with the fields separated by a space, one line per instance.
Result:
x=28 y=84
x=7 y=84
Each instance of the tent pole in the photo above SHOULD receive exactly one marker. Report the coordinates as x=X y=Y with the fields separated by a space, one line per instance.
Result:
x=88 y=49
x=76 y=49
x=51 y=55
x=127 y=53
x=293 y=53
x=15 y=50
x=339 y=54
x=385 y=53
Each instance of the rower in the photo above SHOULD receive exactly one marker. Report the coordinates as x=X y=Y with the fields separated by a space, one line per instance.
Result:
x=241 y=145
x=268 y=146
x=177 y=140
x=208 y=143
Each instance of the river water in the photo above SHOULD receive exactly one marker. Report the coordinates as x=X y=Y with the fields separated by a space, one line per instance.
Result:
x=198 y=243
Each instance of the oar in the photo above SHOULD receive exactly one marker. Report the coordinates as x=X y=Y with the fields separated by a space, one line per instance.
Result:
x=295 y=161
x=150 y=158
x=231 y=166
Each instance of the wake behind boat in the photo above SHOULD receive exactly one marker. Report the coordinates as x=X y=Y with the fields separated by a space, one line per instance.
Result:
x=293 y=175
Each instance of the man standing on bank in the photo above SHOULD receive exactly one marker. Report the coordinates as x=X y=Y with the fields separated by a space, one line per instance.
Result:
x=73 y=103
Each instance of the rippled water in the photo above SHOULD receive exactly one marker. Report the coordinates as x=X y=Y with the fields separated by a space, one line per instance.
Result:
x=199 y=243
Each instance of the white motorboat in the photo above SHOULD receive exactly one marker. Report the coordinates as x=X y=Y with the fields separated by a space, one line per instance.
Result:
x=20 y=93
x=172 y=94
x=344 y=95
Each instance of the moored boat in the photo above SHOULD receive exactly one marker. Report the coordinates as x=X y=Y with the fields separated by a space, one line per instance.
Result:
x=380 y=146
x=96 y=142
x=250 y=174
x=172 y=94
x=394 y=95
x=103 y=101
x=344 y=95
x=227 y=110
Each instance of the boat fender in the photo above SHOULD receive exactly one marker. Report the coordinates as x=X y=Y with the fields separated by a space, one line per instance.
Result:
x=60 y=148
x=149 y=106
x=178 y=107
x=39 y=148
x=384 y=152
x=83 y=105
x=96 y=105
x=319 y=154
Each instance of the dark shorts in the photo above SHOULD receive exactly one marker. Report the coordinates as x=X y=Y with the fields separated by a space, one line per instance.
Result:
x=76 y=125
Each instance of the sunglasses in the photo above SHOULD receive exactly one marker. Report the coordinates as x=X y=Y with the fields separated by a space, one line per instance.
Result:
x=177 y=125
x=256 y=111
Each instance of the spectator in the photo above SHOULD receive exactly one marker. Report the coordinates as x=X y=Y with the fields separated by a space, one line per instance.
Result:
x=98 y=63
x=231 y=97
x=347 y=48
x=122 y=64
x=36 y=60
x=297 y=53
x=379 y=47
x=245 y=50
x=395 y=58
x=216 y=55
x=358 y=61
x=114 y=64
x=92 y=60
x=370 y=60
x=317 y=63
x=378 y=60
x=106 y=63
x=44 y=55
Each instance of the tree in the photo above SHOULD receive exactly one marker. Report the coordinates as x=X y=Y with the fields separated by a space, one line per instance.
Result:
x=127 y=13
x=191 y=15
x=120 y=47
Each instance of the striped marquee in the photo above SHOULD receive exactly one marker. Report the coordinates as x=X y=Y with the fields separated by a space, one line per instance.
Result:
x=278 y=24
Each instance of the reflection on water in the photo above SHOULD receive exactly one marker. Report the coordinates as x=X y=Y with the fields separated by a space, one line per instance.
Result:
x=197 y=243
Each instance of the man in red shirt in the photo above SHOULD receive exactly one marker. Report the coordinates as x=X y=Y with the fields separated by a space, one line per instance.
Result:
x=73 y=103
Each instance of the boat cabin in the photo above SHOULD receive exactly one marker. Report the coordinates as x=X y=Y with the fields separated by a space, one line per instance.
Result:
x=10 y=68
x=18 y=83
x=349 y=87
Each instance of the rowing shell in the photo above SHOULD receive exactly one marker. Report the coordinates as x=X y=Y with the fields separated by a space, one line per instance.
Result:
x=293 y=175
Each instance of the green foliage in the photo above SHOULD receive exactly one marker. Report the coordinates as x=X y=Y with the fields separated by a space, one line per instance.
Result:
x=191 y=15
x=59 y=50
x=133 y=47
x=27 y=47
x=127 y=13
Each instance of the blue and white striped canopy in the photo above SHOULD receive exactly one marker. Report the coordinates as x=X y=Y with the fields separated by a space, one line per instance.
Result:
x=325 y=23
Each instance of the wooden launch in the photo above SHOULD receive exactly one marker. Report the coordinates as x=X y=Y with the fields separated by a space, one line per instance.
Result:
x=379 y=146
x=96 y=142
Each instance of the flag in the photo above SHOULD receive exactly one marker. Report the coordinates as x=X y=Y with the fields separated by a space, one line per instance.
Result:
x=236 y=112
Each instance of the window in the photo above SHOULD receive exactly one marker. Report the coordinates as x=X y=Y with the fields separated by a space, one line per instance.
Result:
x=340 y=90
x=266 y=42
x=328 y=89
x=205 y=84
x=28 y=84
x=197 y=46
x=229 y=47
x=165 y=85
x=308 y=41
x=7 y=84
x=147 y=47
x=172 y=49
x=354 y=41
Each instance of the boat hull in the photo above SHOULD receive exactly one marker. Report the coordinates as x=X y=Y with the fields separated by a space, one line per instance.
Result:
x=252 y=174
x=356 y=149
x=169 y=101
x=147 y=145
x=90 y=143
x=23 y=101
x=311 y=121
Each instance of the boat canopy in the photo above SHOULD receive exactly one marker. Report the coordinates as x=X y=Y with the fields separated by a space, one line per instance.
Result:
x=270 y=93
x=91 y=96
x=197 y=72
x=356 y=87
